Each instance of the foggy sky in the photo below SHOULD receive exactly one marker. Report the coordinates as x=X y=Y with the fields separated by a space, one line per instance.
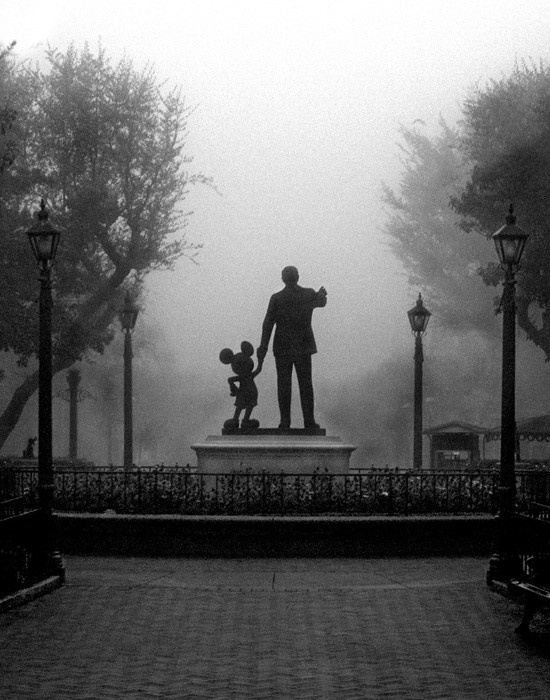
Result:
x=298 y=110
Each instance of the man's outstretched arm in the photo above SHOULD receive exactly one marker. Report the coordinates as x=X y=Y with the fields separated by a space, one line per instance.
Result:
x=320 y=298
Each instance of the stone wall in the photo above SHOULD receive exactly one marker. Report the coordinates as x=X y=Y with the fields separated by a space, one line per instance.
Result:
x=235 y=536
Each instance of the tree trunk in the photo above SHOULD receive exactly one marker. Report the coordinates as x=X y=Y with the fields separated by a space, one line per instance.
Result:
x=12 y=413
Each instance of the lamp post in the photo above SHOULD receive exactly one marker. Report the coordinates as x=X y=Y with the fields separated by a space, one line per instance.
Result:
x=74 y=396
x=73 y=380
x=418 y=318
x=44 y=239
x=128 y=317
x=509 y=241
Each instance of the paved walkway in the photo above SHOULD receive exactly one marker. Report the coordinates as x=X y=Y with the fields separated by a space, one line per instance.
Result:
x=318 y=628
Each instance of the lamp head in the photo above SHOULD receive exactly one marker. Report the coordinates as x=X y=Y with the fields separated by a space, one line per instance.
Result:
x=129 y=313
x=510 y=241
x=43 y=237
x=419 y=317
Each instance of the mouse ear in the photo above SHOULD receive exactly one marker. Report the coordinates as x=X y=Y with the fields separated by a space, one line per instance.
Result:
x=246 y=348
x=226 y=355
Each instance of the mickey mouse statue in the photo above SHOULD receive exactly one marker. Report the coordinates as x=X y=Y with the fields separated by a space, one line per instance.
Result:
x=246 y=393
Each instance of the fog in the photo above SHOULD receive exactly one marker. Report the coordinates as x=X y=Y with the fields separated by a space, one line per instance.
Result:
x=298 y=107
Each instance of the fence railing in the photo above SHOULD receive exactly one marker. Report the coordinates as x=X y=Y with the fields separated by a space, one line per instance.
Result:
x=532 y=543
x=173 y=491
x=21 y=563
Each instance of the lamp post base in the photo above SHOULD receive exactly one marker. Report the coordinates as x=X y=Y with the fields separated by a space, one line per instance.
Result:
x=498 y=569
x=505 y=564
x=503 y=568
x=57 y=565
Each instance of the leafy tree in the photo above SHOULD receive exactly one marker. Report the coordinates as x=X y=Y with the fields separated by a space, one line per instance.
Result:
x=7 y=113
x=104 y=145
x=498 y=153
x=424 y=230
x=443 y=261
x=506 y=136
x=15 y=98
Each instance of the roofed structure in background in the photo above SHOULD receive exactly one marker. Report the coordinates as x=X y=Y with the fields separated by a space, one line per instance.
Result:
x=455 y=445
x=531 y=429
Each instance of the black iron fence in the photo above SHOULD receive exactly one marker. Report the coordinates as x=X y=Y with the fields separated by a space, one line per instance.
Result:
x=173 y=491
x=532 y=542
x=21 y=563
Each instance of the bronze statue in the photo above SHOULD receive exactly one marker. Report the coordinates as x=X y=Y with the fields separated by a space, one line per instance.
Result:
x=28 y=452
x=290 y=311
x=246 y=392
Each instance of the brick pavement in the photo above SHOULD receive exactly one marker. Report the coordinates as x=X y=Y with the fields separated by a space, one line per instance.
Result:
x=158 y=628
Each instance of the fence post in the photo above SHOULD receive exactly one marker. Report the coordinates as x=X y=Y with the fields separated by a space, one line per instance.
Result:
x=87 y=490
x=139 y=490
x=98 y=505
x=185 y=491
x=314 y=495
x=112 y=494
x=172 y=490
x=346 y=493
x=125 y=490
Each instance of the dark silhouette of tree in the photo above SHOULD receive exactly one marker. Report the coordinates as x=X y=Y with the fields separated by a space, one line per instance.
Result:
x=506 y=136
x=425 y=235
x=7 y=112
x=104 y=145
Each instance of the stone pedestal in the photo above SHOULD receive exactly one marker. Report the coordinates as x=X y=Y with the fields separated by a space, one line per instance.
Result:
x=294 y=453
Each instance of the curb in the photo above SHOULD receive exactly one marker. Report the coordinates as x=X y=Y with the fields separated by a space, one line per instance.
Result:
x=25 y=595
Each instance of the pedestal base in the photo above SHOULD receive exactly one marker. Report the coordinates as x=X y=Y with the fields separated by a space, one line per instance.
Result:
x=291 y=453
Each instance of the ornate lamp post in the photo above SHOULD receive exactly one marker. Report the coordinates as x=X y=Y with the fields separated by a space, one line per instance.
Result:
x=509 y=242
x=418 y=318
x=73 y=380
x=128 y=317
x=74 y=396
x=44 y=239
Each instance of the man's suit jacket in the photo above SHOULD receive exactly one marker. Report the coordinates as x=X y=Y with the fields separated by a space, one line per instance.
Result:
x=290 y=311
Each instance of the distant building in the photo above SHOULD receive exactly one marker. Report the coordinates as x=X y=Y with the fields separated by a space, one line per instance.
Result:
x=532 y=440
x=455 y=446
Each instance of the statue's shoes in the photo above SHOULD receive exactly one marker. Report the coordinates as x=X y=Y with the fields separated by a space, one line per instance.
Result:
x=231 y=424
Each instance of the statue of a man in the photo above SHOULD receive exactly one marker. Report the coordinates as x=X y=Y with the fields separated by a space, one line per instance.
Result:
x=290 y=311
